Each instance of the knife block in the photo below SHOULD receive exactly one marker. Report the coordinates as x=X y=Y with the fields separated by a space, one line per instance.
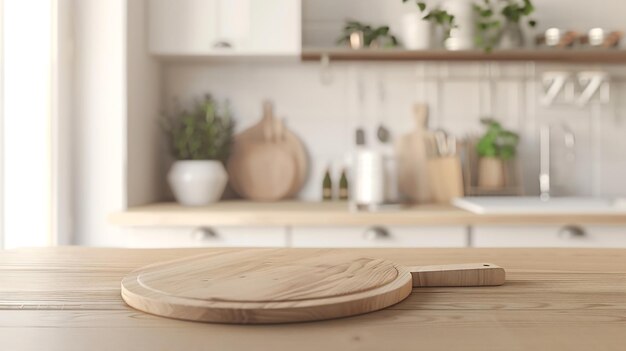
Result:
x=446 y=178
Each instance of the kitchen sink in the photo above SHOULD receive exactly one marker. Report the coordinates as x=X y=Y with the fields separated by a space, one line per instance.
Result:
x=535 y=205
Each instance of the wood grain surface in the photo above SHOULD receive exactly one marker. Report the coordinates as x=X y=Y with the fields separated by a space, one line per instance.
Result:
x=554 y=299
x=294 y=213
x=546 y=55
x=261 y=286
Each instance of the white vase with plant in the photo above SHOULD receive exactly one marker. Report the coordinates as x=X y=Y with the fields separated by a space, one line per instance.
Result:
x=500 y=23
x=495 y=147
x=200 y=141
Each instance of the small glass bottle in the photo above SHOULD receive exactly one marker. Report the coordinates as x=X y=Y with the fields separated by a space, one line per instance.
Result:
x=327 y=186
x=344 y=189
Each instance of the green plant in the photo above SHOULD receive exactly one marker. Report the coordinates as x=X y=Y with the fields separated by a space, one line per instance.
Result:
x=497 y=142
x=204 y=133
x=437 y=16
x=488 y=26
x=370 y=34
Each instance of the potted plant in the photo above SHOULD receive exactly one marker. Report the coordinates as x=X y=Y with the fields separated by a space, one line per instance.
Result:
x=494 y=147
x=200 y=141
x=360 y=35
x=439 y=18
x=490 y=29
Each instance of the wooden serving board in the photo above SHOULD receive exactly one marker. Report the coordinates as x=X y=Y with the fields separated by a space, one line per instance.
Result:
x=412 y=151
x=259 y=286
x=266 y=158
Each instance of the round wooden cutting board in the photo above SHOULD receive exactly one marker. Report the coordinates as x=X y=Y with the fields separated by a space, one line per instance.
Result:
x=257 y=286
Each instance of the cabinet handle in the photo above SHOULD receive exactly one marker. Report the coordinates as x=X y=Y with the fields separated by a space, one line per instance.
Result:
x=376 y=233
x=204 y=234
x=222 y=44
x=572 y=232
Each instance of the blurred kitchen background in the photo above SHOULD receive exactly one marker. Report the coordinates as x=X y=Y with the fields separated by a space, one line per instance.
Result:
x=356 y=123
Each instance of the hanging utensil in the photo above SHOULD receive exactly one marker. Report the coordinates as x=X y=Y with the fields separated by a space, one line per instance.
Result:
x=384 y=136
x=360 y=132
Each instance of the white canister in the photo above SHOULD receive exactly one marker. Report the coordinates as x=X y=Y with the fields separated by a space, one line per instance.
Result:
x=369 y=178
x=416 y=32
x=462 y=37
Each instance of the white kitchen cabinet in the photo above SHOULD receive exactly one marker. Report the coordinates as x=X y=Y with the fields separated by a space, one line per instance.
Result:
x=550 y=236
x=225 y=27
x=207 y=237
x=378 y=237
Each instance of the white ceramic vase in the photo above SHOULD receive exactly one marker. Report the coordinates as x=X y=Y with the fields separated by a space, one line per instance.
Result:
x=416 y=32
x=197 y=182
x=462 y=37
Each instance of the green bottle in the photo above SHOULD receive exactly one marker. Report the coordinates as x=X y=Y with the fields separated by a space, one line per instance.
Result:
x=327 y=186
x=343 y=186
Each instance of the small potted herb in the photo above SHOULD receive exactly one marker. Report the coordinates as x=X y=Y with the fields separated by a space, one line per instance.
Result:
x=359 y=35
x=437 y=17
x=494 y=147
x=200 y=141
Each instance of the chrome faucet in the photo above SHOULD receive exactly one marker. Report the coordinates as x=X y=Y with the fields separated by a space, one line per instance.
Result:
x=544 y=156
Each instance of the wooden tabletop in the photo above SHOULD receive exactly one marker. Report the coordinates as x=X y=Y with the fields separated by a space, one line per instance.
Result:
x=295 y=213
x=554 y=299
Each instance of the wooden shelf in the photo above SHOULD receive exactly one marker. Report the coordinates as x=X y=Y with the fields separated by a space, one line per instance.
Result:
x=589 y=56
x=292 y=213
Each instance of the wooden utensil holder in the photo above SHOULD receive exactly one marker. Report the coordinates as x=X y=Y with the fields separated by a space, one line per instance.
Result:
x=446 y=178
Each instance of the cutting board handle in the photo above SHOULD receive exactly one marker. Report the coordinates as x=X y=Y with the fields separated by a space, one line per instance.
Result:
x=470 y=274
x=420 y=113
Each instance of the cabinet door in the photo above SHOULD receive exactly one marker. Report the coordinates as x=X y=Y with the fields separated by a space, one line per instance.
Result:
x=275 y=27
x=207 y=237
x=178 y=27
x=550 y=236
x=225 y=27
x=378 y=237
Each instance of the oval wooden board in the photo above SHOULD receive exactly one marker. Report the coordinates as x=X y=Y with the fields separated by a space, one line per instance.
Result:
x=254 y=135
x=266 y=286
x=264 y=172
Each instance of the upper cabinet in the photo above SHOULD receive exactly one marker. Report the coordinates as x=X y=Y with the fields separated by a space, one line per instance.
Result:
x=225 y=27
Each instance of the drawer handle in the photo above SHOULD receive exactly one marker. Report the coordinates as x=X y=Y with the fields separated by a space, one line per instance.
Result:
x=572 y=232
x=222 y=44
x=204 y=234
x=376 y=233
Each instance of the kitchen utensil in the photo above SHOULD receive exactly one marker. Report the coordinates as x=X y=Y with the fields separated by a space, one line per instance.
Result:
x=413 y=151
x=383 y=134
x=441 y=138
x=360 y=132
x=268 y=129
x=264 y=171
x=260 y=286
x=451 y=145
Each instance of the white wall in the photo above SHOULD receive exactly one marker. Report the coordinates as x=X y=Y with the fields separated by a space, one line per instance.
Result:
x=99 y=119
x=146 y=171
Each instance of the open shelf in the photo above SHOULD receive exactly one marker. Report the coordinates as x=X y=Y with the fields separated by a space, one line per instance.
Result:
x=607 y=56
